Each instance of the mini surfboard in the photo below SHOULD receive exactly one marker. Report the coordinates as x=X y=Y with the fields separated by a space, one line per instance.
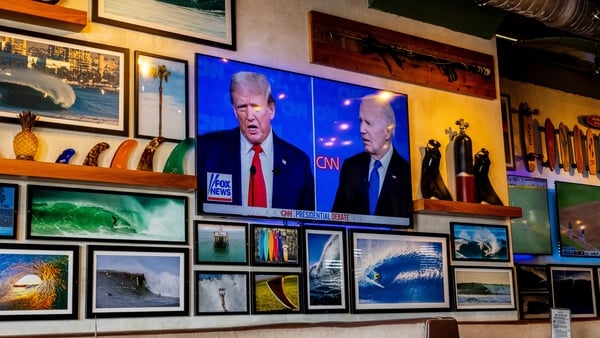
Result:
x=65 y=156
x=539 y=142
x=92 y=157
x=592 y=121
x=578 y=149
x=591 y=152
x=563 y=144
x=528 y=139
x=121 y=157
x=550 y=138
x=147 y=158
x=174 y=163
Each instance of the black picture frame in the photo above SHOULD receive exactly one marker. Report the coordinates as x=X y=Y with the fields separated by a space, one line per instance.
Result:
x=533 y=291
x=171 y=119
x=276 y=292
x=483 y=288
x=222 y=292
x=325 y=269
x=21 y=266
x=132 y=281
x=383 y=264
x=92 y=98
x=479 y=242
x=275 y=245
x=507 y=131
x=574 y=287
x=223 y=243
x=76 y=214
x=9 y=210
x=151 y=20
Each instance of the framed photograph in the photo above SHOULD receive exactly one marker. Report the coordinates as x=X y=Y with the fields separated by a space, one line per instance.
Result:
x=161 y=97
x=222 y=293
x=275 y=245
x=9 y=206
x=507 y=132
x=221 y=243
x=574 y=288
x=39 y=282
x=205 y=22
x=325 y=269
x=310 y=183
x=479 y=242
x=129 y=281
x=69 y=84
x=276 y=292
x=479 y=288
x=530 y=233
x=60 y=213
x=386 y=264
x=534 y=291
x=534 y=305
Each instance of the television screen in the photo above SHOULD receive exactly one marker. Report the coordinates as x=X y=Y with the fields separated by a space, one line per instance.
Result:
x=530 y=233
x=312 y=116
x=578 y=210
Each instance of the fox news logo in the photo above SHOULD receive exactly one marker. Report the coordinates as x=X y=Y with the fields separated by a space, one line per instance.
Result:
x=219 y=187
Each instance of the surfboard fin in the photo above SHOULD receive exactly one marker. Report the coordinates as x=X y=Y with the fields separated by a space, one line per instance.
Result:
x=276 y=287
x=147 y=158
x=92 y=157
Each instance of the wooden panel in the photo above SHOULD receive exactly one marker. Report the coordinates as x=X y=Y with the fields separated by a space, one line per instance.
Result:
x=42 y=14
x=350 y=45
x=431 y=206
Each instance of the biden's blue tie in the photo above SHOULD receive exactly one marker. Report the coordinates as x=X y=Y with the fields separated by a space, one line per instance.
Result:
x=374 y=186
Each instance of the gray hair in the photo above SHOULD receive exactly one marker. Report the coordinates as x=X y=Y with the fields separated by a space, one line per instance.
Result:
x=385 y=108
x=255 y=82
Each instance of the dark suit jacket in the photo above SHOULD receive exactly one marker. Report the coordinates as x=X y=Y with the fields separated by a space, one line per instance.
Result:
x=293 y=180
x=352 y=196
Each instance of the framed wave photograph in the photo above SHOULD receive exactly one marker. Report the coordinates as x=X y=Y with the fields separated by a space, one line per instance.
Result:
x=325 y=269
x=222 y=292
x=479 y=242
x=136 y=281
x=60 y=213
x=92 y=96
x=484 y=288
x=275 y=245
x=276 y=292
x=534 y=291
x=383 y=265
x=221 y=242
x=39 y=282
x=9 y=207
x=574 y=287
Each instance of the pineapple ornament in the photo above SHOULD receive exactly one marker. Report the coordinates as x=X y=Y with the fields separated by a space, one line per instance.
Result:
x=25 y=143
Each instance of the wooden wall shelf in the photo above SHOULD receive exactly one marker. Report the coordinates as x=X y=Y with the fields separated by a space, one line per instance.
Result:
x=429 y=206
x=80 y=173
x=41 y=14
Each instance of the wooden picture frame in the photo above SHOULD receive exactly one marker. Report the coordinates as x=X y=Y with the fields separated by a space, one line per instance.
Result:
x=479 y=242
x=483 y=288
x=161 y=97
x=574 y=288
x=213 y=26
x=62 y=213
x=507 y=132
x=31 y=271
x=93 y=97
x=325 y=268
x=380 y=257
x=9 y=210
x=223 y=243
x=273 y=245
x=276 y=292
x=222 y=292
x=136 y=281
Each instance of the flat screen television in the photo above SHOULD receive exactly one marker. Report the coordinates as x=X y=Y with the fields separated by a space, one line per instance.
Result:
x=530 y=233
x=316 y=115
x=578 y=211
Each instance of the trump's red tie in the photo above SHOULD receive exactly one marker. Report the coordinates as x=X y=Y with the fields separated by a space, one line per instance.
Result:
x=257 y=192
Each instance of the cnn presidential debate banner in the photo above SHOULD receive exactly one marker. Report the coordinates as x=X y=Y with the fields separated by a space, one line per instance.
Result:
x=319 y=142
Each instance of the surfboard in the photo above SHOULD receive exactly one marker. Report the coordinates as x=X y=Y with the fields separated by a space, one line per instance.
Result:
x=591 y=152
x=91 y=158
x=563 y=143
x=121 y=156
x=550 y=138
x=528 y=139
x=65 y=156
x=147 y=158
x=592 y=121
x=578 y=149
x=174 y=163
x=539 y=142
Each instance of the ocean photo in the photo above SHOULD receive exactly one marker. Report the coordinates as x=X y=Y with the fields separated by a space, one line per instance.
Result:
x=221 y=243
x=222 y=292
x=481 y=288
x=473 y=242
x=326 y=282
